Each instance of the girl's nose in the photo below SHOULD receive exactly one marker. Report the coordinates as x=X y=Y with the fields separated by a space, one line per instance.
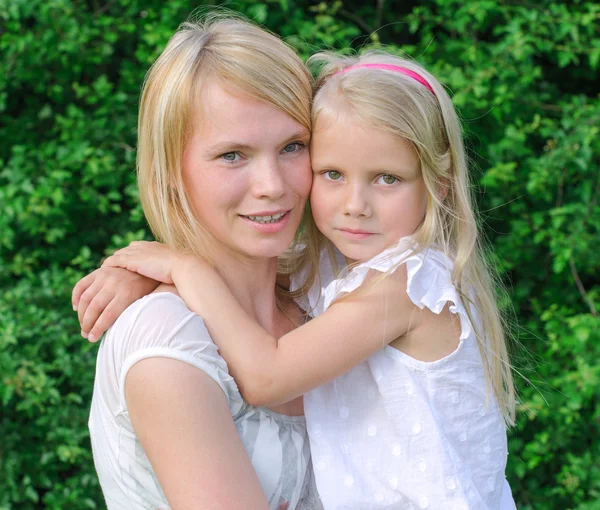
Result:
x=357 y=204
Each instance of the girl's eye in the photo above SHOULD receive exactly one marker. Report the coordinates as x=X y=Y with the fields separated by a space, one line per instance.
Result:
x=387 y=179
x=332 y=175
x=230 y=157
x=293 y=147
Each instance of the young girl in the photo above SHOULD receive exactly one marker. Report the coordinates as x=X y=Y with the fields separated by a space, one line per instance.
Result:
x=406 y=374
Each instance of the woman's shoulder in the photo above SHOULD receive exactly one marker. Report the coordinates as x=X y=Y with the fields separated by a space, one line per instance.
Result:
x=157 y=317
x=163 y=303
x=161 y=325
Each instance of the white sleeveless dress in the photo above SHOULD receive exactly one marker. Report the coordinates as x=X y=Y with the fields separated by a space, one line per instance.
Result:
x=398 y=433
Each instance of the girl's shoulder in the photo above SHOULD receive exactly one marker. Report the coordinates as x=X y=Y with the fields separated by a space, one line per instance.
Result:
x=428 y=270
x=426 y=274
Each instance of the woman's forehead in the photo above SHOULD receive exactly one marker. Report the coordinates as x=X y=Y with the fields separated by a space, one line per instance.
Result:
x=227 y=113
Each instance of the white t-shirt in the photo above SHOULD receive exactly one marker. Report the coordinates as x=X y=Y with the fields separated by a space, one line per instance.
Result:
x=395 y=432
x=160 y=325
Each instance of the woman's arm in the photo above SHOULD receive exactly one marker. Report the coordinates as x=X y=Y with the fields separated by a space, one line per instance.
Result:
x=103 y=295
x=269 y=371
x=185 y=427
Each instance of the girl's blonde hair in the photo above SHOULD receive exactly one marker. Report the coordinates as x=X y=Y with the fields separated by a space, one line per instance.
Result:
x=240 y=55
x=399 y=104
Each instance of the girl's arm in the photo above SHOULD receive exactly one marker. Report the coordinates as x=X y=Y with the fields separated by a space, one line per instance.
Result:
x=268 y=371
x=185 y=427
x=103 y=295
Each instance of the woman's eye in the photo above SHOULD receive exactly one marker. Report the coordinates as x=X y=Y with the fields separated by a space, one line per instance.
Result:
x=387 y=179
x=332 y=175
x=293 y=147
x=230 y=157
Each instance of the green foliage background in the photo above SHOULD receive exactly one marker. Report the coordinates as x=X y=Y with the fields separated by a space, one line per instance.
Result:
x=524 y=75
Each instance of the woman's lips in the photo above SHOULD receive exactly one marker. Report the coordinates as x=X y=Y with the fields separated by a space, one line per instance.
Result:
x=268 y=228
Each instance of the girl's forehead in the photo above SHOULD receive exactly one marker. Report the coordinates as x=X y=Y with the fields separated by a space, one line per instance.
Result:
x=354 y=145
x=333 y=116
x=337 y=123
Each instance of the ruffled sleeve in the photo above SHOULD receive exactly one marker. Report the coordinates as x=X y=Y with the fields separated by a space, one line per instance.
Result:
x=429 y=279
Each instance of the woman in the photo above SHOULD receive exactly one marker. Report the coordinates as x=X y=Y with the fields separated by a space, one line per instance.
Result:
x=224 y=173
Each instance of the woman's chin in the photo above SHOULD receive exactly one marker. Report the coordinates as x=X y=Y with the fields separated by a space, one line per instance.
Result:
x=262 y=243
x=253 y=247
x=270 y=249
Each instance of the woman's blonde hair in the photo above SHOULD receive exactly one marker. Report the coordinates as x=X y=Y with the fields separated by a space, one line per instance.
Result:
x=399 y=104
x=239 y=54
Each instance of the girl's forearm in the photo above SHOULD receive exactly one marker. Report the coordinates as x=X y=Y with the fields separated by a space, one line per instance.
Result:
x=249 y=350
x=270 y=371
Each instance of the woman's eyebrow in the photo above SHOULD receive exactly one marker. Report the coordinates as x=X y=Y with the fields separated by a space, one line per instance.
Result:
x=301 y=133
x=231 y=146
x=223 y=147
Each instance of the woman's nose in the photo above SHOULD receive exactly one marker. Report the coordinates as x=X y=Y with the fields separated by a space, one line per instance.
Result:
x=269 y=180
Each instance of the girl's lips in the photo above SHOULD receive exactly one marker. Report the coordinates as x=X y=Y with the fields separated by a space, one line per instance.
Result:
x=355 y=234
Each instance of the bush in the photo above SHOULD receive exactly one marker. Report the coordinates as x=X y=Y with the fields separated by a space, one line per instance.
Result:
x=524 y=77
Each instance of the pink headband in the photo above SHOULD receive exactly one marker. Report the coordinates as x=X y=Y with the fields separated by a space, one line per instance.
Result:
x=390 y=67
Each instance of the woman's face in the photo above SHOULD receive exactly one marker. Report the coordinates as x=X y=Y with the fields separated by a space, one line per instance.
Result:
x=247 y=172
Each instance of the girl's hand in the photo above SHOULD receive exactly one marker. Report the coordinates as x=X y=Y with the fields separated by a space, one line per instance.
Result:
x=151 y=259
x=102 y=296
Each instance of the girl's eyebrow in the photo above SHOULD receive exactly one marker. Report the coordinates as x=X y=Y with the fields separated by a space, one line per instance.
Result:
x=370 y=171
x=390 y=170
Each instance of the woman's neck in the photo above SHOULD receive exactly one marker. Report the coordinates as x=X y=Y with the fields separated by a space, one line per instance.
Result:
x=252 y=282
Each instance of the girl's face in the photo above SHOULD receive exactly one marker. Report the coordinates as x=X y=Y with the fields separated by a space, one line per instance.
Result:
x=368 y=191
x=247 y=172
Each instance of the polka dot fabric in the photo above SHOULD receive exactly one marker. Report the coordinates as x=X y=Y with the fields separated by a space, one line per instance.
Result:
x=398 y=433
